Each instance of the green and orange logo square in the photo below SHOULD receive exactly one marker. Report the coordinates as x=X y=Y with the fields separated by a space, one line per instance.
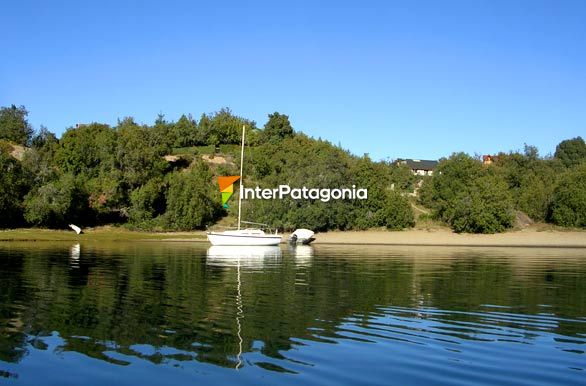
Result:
x=227 y=188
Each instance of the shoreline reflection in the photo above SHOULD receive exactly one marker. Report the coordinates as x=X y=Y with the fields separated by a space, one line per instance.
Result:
x=291 y=310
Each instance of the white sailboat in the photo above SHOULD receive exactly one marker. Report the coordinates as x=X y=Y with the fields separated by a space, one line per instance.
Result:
x=239 y=236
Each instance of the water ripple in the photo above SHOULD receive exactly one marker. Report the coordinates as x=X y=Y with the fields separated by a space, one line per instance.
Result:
x=179 y=314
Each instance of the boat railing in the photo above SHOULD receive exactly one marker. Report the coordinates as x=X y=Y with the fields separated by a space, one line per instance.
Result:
x=214 y=227
x=261 y=225
x=255 y=223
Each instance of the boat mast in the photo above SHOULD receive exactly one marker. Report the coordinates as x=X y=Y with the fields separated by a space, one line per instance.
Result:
x=241 y=180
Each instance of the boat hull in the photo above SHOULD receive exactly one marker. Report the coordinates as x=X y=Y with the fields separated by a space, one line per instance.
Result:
x=231 y=239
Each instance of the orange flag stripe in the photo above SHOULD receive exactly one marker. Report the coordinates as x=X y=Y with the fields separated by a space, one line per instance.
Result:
x=227 y=181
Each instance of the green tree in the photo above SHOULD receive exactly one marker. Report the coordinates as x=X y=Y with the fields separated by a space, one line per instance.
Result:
x=531 y=152
x=13 y=186
x=44 y=139
x=453 y=177
x=38 y=161
x=139 y=156
x=302 y=161
x=222 y=127
x=87 y=150
x=569 y=199
x=147 y=201
x=192 y=200
x=469 y=197
x=375 y=177
x=107 y=195
x=425 y=195
x=299 y=161
x=486 y=207
x=204 y=132
x=185 y=132
x=402 y=177
x=14 y=126
x=571 y=151
x=396 y=213
x=56 y=204
x=277 y=127
x=530 y=179
x=163 y=132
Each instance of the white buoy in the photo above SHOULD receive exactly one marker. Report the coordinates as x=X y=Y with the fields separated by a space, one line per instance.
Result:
x=75 y=228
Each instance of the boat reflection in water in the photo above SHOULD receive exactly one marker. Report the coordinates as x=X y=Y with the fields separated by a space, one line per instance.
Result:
x=243 y=256
x=74 y=254
x=75 y=251
x=303 y=255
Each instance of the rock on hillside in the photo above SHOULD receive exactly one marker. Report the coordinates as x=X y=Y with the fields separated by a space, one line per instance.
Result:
x=16 y=151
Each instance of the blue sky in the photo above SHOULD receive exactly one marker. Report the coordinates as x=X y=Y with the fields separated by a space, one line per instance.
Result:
x=416 y=79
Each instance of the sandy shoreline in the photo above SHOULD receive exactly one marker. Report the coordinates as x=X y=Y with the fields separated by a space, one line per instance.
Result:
x=443 y=237
x=530 y=237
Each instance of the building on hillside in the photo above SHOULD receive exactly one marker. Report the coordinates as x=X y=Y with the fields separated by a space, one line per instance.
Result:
x=418 y=166
x=488 y=159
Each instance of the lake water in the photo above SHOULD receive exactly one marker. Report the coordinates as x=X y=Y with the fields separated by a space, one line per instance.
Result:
x=178 y=313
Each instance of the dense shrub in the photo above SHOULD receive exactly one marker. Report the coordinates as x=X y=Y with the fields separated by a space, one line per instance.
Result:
x=301 y=161
x=100 y=174
x=425 y=192
x=14 y=126
x=485 y=207
x=192 y=199
x=571 y=151
x=569 y=200
x=397 y=213
x=530 y=179
x=147 y=201
x=87 y=150
x=56 y=203
x=13 y=185
x=468 y=197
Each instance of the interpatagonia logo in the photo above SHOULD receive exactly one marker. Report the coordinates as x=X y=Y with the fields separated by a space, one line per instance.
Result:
x=283 y=191
x=227 y=188
x=304 y=193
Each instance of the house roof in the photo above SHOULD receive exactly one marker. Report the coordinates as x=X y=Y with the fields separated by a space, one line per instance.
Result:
x=419 y=164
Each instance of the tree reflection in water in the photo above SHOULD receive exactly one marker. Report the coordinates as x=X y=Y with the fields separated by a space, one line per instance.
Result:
x=178 y=303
